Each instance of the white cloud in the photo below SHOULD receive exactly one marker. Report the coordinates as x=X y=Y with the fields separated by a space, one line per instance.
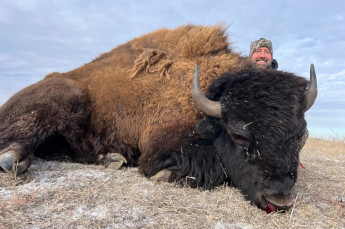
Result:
x=338 y=76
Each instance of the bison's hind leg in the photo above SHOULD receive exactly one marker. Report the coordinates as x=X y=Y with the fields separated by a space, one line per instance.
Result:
x=11 y=162
x=51 y=107
x=11 y=159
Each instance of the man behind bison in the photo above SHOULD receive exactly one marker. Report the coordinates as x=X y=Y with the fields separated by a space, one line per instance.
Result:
x=261 y=53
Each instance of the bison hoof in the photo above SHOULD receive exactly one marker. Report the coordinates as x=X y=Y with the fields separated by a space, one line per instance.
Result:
x=7 y=160
x=21 y=167
x=12 y=161
x=114 y=160
x=9 y=163
x=163 y=175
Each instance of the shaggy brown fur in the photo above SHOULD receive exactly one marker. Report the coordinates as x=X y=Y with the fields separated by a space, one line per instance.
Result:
x=130 y=112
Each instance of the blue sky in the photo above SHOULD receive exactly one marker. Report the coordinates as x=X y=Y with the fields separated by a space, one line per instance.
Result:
x=38 y=37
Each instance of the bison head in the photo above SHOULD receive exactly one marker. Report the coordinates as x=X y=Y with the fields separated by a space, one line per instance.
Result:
x=256 y=121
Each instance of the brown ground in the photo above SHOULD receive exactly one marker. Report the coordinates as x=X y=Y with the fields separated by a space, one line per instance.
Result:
x=67 y=195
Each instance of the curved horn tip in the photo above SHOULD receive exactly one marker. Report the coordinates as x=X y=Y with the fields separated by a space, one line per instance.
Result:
x=209 y=107
x=312 y=68
x=312 y=89
x=313 y=81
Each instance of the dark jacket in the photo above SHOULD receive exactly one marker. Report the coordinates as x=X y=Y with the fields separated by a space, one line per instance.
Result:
x=274 y=64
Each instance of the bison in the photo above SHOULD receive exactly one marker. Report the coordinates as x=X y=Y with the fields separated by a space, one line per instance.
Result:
x=137 y=106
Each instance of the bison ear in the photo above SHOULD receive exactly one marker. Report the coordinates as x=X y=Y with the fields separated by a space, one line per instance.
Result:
x=208 y=128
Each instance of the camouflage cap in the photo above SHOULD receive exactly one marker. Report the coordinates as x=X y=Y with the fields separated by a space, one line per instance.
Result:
x=260 y=43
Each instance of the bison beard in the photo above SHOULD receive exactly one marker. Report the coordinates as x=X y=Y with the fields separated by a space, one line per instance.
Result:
x=134 y=106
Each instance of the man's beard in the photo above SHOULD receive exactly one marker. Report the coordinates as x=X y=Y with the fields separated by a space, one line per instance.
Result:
x=268 y=63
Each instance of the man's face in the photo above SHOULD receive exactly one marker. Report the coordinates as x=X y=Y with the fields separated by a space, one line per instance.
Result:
x=262 y=57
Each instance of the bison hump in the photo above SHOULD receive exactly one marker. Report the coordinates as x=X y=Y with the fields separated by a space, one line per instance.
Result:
x=160 y=49
x=186 y=41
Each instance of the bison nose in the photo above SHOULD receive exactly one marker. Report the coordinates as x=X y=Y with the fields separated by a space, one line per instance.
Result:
x=282 y=201
x=280 y=193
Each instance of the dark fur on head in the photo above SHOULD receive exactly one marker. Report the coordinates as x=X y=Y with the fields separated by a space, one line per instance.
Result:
x=255 y=145
x=263 y=115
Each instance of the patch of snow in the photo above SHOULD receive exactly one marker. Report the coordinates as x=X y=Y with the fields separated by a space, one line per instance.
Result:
x=98 y=212
x=44 y=178
x=221 y=225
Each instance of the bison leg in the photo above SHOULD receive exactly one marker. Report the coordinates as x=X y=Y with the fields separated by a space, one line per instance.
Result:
x=51 y=107
x=196 y=164
x=112 y=160
x=163 y=175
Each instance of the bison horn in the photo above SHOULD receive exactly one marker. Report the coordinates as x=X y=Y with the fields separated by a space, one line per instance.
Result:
x=312 y=89
x=209 y=107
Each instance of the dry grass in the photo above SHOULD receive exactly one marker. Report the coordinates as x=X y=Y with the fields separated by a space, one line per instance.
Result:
x=68 y=195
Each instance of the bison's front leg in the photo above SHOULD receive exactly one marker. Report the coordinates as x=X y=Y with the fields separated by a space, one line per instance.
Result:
x=197 y=165
x=112 y=160
x=51 y=107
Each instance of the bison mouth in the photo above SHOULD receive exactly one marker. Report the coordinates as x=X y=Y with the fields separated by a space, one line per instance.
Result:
x=277 y=201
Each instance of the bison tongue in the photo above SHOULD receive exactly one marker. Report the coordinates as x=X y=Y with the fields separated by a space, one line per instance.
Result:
x=281 y=200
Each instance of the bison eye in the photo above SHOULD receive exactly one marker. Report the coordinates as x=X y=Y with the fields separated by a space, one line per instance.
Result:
x=239 y=139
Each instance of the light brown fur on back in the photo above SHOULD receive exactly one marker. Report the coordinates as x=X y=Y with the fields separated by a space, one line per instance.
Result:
x=141 y=111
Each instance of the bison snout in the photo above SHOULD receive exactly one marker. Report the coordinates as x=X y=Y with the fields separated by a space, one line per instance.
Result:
x=280 y=200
